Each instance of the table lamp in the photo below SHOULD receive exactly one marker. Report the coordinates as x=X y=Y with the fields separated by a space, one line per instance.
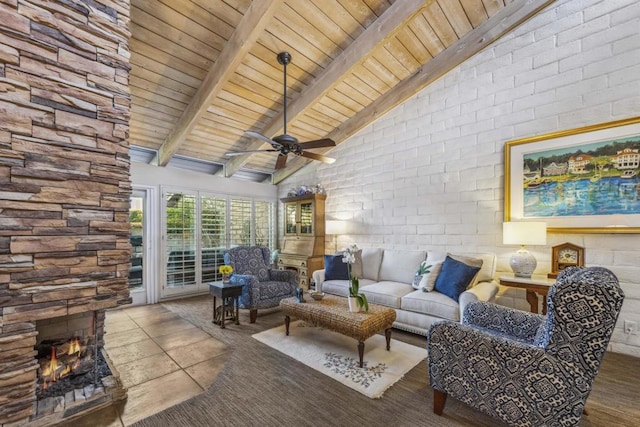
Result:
x=523 y=263
x=335 y=228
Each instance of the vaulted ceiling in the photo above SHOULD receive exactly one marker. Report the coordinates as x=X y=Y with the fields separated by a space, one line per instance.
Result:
x=205 y=71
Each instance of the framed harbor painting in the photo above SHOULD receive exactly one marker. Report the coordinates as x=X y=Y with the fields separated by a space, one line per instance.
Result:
x=584 y=180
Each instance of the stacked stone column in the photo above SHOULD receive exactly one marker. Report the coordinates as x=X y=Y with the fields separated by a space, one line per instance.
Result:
x=64 y=174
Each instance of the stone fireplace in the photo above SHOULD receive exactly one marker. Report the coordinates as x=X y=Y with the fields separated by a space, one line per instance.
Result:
x=64 y=174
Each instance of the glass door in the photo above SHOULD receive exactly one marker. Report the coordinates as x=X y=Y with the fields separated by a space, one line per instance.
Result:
x=137 y=282
x=306 y=218
x=290 y=218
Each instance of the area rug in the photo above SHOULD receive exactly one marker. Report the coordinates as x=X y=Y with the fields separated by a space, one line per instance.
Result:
x=336 y=356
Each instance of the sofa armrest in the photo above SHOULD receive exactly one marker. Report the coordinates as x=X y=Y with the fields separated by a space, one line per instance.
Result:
x=504 y=320
x=318 y=278
x=483 y=291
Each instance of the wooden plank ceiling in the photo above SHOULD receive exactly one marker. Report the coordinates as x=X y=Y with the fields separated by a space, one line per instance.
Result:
x=205 y=71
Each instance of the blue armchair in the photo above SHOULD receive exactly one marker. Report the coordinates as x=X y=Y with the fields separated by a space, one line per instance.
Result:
x=262 y=287
x=522 y=368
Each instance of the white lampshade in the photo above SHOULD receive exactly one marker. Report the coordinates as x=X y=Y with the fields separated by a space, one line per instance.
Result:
x=524 y=233
x=523 y=263
x=335 y=227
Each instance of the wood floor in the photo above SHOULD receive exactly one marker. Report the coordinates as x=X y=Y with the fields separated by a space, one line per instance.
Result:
x=614 y=400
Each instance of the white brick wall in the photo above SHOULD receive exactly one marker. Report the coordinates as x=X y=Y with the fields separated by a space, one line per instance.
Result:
x=429 y=174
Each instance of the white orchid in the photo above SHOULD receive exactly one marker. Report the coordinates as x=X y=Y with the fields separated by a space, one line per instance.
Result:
x=349 y=257
x=349 y=254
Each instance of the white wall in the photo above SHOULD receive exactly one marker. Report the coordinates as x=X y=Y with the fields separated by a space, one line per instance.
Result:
x=429 y=174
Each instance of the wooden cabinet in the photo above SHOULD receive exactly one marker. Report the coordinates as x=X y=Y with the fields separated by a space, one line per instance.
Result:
x=303 y=245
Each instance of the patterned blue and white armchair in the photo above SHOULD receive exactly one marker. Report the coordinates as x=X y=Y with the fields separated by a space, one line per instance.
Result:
x=527 y=369
x=262 y=287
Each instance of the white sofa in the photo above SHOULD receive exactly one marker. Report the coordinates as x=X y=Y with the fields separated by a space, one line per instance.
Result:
x=387 y=277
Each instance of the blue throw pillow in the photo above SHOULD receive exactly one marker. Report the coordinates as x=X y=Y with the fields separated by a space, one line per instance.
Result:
x=334 y=268
x=454 y=278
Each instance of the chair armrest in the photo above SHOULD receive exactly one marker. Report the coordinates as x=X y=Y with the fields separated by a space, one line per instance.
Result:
x=284 y=276
x=318 y=278
x=483 y=291
x=509 y=321
x=447 y=339
x=250 y=287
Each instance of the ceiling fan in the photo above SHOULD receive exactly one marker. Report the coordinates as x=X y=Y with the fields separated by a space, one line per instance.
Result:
x=286 y=144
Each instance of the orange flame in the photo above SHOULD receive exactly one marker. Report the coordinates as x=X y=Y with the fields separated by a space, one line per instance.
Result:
x=50 y=373
x=74 y=346
x=50 y=370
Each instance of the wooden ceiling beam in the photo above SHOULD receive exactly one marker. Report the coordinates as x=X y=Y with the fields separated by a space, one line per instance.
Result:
x=378 y=33
x=471 y=43
x=253 y=23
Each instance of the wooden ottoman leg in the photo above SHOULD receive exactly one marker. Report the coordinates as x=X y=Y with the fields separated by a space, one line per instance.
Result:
x=387 y=335
x=439 y=399
x=361 y=351
x=287 y=319
x=253 y=315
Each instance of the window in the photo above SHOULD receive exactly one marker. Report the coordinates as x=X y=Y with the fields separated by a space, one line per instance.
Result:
x=240 y=224
x=213 y=217
x=200 y=227
x=181 y=237
x=264 y=220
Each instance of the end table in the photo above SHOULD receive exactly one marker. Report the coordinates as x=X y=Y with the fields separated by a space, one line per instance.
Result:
x=229 y=294
x=534 y=285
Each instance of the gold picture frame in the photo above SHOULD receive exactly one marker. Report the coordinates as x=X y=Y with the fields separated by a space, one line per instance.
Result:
x=591 y=195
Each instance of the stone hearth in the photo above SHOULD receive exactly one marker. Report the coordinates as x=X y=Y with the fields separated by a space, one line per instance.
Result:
x=64 y=172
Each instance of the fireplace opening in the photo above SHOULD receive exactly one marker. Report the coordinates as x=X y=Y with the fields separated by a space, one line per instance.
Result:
x=67 y=365
x=74 y=374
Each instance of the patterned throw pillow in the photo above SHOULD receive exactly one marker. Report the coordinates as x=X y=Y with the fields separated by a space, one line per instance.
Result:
x=423 y=269
x=455 y=277
x=429 y=280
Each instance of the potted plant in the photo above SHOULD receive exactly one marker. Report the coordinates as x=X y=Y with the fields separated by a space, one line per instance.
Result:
x=357 y=300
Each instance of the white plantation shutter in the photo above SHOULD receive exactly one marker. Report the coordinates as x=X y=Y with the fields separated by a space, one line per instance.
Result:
x=263 y=223
x=180 y=222
x=198 y=229
x=213 y=220
x=240 y=222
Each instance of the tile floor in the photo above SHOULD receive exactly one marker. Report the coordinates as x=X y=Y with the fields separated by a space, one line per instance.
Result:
x=162 y=360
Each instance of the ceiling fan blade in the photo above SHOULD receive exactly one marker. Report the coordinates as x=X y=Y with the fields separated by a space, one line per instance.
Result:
x=257 y=135
x=318 y=143
x=315 y=156
x=240 y=153
x=281 y=161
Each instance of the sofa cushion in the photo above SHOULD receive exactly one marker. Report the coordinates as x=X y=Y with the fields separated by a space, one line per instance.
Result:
x=455 y=276
x=371 y=258
x=400 y=266
x=489 y=262
x=431 y=303
x=334 y=268
x=386 y=293
x=341 y=287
